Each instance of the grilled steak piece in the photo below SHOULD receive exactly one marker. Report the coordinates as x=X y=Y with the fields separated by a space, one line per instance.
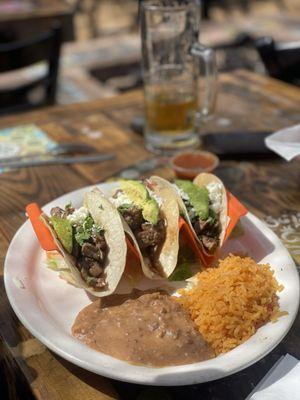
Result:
x=91 y=251
x=85 y=263
x=207 y=227
x=95 y=270
x=90 y=259
x=61 y=213
x=100 y=242
x=208 y=232
x=69 y=210
x=210 y=243
x=88 y=266
x=151 y=235
x=201 y=225
x=100 y=283
x=75 y=249
x=134 y=218
x=57 y=212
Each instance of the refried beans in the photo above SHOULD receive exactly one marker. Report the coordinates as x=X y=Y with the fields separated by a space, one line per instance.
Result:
x=151 y=330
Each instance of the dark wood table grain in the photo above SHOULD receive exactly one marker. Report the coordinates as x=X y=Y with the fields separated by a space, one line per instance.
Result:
x=269 y=188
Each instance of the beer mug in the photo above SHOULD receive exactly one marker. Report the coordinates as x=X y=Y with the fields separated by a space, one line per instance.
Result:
x=177 y=94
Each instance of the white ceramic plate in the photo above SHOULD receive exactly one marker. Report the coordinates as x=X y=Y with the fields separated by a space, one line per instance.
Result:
x=47 y=306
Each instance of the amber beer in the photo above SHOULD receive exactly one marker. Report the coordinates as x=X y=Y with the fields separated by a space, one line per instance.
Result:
x=171 y=113
x=171 y=59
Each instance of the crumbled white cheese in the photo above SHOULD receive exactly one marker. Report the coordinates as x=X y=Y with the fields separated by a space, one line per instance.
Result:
x=96 y=229
x=192 y=213
x=186 y=200
x=157 y=198
x=215 y=196
x=78 y=216
x=181 y=193
x=120 y=199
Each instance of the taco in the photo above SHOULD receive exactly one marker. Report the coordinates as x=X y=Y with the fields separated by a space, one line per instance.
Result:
x=151 y=214
x=203 y=204
x=91 y=240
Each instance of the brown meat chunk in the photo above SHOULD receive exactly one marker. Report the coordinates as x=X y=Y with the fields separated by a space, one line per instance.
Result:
x=85 y=263
x=89 y=267
x=61 y=213
x=134 y=217
x=91 y=251
x=150 y=235
x=100 y=242
x=201 y=225
x=95 y=270
x=69 y=210
x=210 y=243
x=213 y=229
x=90 y=259
x=75 y=249
x=84 y=273
x=98 y=283
x=57 y=212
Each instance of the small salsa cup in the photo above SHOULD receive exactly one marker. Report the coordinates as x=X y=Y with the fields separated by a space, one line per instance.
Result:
x=188 y=164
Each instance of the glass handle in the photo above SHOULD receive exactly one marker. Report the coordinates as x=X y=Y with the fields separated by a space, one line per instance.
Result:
x=208 y=86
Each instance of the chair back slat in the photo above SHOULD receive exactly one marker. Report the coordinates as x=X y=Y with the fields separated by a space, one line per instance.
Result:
x=282 y=61
x=21 y=54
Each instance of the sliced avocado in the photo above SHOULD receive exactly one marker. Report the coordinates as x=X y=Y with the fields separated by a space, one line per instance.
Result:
x=198 y=197
x=64 y=231
x=150 y=211
x=136 y=191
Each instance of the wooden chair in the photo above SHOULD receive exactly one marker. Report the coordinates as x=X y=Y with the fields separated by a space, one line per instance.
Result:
x=21 y=54
x=281 y=60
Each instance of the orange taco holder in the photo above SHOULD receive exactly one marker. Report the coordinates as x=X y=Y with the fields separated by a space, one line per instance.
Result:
x=45 y=238
x=235 y=211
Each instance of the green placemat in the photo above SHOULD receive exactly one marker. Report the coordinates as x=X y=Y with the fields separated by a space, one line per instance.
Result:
x=23 y=141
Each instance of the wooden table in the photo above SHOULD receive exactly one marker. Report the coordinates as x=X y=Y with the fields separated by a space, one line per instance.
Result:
x=267 y=187
x=28 y=18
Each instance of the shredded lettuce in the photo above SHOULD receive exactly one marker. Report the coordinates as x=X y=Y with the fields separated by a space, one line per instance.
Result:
x=124 y=207
x=68 y=206
x=56 y=262
x=183 y=268
x=181 y=272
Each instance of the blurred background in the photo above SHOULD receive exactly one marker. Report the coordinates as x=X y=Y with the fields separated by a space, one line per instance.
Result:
x=93 y=46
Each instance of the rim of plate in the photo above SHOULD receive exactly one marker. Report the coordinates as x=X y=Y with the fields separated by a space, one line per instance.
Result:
x=204 y=371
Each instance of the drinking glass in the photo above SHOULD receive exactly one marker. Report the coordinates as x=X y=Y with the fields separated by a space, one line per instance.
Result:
x=177 y=96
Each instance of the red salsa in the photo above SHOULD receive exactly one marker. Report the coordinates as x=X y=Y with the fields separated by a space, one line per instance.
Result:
x=189 y=164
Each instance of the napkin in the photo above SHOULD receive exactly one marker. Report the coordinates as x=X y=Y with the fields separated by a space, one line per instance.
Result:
x=281 y=383
x=285 y=142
